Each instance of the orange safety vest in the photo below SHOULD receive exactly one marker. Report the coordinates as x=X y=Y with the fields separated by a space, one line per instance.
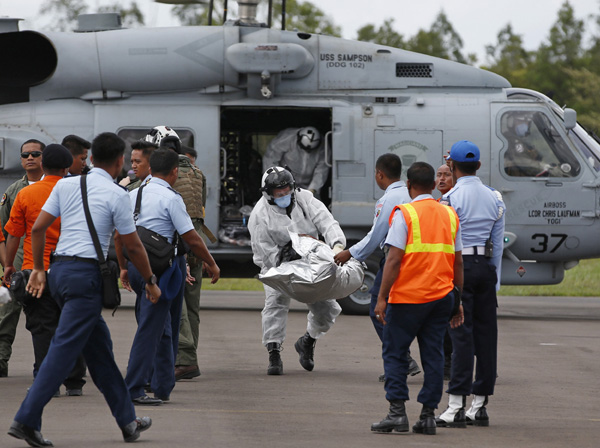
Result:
x=427 y=268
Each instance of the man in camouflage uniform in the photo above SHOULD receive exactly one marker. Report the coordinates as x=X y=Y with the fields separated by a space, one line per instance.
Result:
x=191 y=184
x=31 y=160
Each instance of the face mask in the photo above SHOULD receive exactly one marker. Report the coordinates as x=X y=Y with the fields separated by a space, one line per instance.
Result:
x=521 y=129
x=284 y=201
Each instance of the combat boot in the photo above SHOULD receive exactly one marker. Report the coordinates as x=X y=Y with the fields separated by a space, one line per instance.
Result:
x=454 y=416
x=305 y=346
x=396 y=420
x=477 y=414
x=426 y=424
x=275 y=363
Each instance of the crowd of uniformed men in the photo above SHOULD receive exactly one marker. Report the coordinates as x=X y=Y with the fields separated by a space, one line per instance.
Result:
x=437 y=281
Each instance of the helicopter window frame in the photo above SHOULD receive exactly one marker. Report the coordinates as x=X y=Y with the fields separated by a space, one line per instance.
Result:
x=588 y=153
x=543 y=152
x=584 y=142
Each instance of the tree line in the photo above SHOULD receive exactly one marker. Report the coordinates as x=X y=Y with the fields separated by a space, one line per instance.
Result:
x=565 y=67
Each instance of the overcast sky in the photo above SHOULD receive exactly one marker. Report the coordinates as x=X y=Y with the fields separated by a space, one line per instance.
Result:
x=476 y=21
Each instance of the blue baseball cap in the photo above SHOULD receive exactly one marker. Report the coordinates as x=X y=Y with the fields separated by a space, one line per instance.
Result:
x=171 y=282
x=464 y=151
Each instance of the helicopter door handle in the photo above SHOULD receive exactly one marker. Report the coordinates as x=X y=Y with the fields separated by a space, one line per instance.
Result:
x=506 y=190
x=327 y=162
x=224 y=162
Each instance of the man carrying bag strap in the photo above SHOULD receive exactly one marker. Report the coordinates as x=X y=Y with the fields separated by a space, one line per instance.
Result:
x=154 y=347
x=76 y=284
x=111 y=296
x=161 y=252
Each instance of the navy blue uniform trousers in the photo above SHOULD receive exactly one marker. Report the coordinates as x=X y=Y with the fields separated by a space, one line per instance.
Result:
x=478 y=336
x=427 y=322
x=154 y=348
x=374 y=293
x=77 y=287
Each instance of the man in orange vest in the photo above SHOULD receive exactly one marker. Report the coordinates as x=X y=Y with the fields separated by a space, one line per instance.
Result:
x=420 y=291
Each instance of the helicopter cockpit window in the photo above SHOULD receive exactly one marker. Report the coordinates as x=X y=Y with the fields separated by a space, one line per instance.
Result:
x=535 y=148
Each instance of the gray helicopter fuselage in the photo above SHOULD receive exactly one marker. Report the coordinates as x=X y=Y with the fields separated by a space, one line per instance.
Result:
x=229 y=90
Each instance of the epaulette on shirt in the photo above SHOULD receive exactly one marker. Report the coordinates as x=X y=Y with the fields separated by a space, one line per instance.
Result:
x=174 y=191
x=447 y=201
x=496 y=192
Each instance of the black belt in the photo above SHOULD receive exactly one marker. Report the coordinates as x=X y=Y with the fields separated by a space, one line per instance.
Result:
x=69 y=258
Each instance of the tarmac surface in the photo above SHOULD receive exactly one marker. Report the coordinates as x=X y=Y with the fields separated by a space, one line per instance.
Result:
x=547 y=393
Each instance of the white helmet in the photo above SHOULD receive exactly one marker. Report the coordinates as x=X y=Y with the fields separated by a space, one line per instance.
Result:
x=158 y=133
x=309 y=138
x=276 y=177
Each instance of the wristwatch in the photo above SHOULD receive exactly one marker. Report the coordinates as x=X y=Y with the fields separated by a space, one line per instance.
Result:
x=152 y=280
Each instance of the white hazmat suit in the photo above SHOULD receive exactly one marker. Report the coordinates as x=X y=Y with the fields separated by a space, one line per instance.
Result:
x=268 y=226
x=308 y=167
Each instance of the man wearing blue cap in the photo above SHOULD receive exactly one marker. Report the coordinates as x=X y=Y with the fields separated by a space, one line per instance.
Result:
x=481 y=213
x=154 y=348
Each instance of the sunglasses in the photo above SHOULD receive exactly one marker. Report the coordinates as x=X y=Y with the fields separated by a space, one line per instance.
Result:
x=25 y=155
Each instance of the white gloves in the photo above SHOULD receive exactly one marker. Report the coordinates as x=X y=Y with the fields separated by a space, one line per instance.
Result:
x=337 y=248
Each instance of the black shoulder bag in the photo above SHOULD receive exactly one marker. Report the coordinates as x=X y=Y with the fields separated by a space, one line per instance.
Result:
x=111 y=295
x=160 y=252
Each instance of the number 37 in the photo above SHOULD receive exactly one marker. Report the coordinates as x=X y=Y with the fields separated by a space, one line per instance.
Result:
x=542 y=241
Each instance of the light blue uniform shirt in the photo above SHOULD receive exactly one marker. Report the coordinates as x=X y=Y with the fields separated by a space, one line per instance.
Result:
x=395 y=194
x=481 y=213
x=109 y=208
x=163 y=210
x=398 y=233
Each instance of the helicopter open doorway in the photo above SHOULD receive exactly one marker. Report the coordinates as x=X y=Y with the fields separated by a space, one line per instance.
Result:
x=245 y=135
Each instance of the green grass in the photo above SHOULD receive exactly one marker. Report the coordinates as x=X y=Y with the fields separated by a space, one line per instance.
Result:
x=583 y=280
x=232 y=284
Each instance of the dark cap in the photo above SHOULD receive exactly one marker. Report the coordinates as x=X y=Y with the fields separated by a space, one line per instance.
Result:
x=56 y=156
x=464 y=151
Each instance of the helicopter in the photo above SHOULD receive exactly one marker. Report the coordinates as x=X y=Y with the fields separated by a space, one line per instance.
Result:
x=229 y=90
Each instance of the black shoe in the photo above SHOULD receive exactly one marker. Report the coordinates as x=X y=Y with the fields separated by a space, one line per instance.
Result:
x=305 y=346
x=396 y=420
x=413 y=368
x=426 y=424
x=275 y=363
x=30 y=435
x=460 y=421
x=147 y=401
x=74 y=393
x=382 y=378
x=481 y=418
x=131 y=432
x=186 y=372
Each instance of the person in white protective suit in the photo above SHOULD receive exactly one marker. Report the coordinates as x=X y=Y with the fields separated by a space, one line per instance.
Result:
x=283 y=207
x=301 y=150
